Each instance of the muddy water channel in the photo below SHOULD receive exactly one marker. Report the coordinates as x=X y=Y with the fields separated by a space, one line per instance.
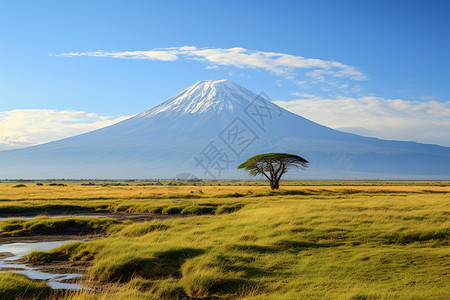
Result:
x=133 y=217
x=11 y=253
x=52 y=217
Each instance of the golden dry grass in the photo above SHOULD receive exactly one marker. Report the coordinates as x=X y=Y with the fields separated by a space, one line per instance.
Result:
x=78 y=192
x=302 y=242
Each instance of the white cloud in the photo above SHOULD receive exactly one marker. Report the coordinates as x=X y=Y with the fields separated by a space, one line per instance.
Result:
x=27 y=127
x=150 y=55
x=420 y=121
x=281 y=64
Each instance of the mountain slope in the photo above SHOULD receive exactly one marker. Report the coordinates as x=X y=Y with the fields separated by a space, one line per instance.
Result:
x=211 y=127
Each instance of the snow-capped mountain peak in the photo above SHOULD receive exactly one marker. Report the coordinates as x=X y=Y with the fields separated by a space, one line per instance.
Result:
x=206 y=96
x=208 y=130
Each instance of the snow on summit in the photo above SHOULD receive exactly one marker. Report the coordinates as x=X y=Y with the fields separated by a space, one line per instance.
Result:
x=206 y=96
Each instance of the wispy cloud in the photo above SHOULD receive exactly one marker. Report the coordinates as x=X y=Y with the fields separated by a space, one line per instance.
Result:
x=421 y=121
x=28 y=127
x=281 y=64
x=149 y=55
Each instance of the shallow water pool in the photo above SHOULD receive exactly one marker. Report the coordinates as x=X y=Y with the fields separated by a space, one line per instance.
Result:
x=19 y=250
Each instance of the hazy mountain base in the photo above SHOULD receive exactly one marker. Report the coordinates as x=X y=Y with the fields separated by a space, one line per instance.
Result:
x=311 y=242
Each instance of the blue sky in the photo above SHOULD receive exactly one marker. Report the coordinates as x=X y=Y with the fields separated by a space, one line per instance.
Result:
x=378 y=68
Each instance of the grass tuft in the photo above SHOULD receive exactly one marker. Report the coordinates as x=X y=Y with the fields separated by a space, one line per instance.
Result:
x=18 y=286
x=155 y=265
x=15 y=227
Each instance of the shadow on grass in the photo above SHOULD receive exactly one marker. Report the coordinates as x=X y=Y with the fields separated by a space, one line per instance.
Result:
x=161 y=265
x=283 y=245
x=407 y=238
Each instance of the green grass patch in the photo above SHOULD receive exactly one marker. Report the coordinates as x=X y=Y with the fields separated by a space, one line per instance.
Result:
x=143 y=228
x=157 y=264
x=17 y=227
x=18 y=286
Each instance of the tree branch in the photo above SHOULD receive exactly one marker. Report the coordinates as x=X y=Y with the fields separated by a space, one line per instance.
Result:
x=283 y=170
x=266 y=175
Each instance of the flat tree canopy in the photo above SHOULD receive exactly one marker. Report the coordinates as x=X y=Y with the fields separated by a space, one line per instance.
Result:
x=273 y=166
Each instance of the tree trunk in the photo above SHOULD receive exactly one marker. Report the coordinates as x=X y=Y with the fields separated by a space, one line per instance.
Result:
x=276 y=184
x=272 y=184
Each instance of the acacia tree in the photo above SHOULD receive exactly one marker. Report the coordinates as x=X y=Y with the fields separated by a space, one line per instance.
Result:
x=273 y=166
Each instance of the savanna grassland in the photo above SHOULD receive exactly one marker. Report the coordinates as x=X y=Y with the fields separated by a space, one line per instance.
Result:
x=367 y=241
